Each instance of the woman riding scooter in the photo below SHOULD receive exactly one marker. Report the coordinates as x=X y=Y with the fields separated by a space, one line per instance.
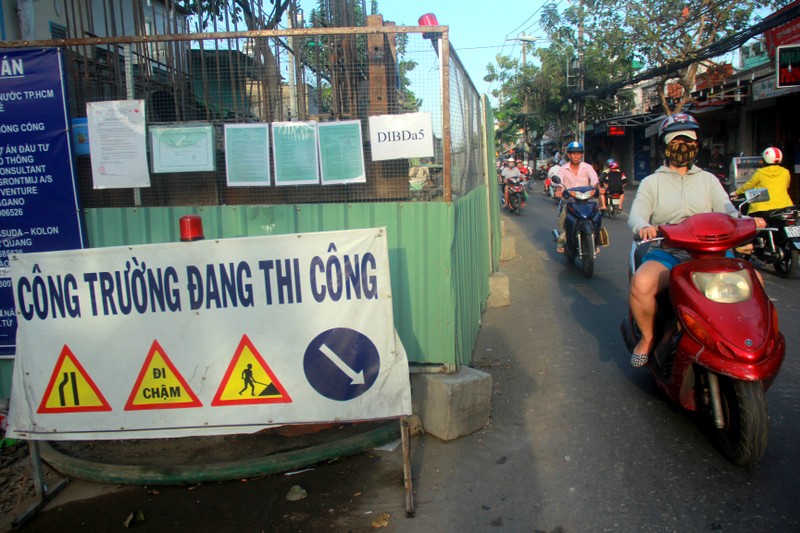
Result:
x=677 y=190
x=774 y=178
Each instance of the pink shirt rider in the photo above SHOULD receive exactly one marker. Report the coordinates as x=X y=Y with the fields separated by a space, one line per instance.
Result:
x=586 y=176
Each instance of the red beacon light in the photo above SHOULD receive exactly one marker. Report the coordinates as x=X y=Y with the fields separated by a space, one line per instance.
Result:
x=191 y=228
x=429 y=19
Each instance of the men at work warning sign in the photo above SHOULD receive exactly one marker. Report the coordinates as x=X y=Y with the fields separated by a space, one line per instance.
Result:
x=249 y=380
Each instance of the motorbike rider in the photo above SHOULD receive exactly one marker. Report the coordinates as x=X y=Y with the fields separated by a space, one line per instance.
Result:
x=510 y=171
x=552 y=171
x=774 y=178
x=612 y=181
x=524 y=173
x=675 y=191
x=574 y=173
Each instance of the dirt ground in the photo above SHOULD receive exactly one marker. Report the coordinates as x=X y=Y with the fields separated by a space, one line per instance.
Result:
x=249 y=504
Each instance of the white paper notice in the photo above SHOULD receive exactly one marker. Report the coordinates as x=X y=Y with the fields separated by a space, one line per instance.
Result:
x=117 y=144
x=401 y=136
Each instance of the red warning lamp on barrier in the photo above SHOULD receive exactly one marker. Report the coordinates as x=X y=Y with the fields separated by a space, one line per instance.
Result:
x=429 y=19
x=191 y=228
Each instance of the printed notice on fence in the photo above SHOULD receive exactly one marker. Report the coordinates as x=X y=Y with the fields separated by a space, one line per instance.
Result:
x=401 y=136
x=341 y=153
x=182 y=149
x=247 y=155
x=295 y=153
x=117 y=144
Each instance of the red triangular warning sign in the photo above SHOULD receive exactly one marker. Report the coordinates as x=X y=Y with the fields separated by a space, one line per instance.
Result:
x=160 y=385
x=249 y=380
x=71 y=389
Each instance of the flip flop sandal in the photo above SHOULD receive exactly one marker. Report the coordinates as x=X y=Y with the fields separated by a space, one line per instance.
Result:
x=638 y=360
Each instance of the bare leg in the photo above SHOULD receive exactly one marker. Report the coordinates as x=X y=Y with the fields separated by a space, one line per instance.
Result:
x=651 y=278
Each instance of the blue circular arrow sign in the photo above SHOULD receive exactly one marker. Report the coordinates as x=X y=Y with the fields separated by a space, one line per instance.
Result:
x=341 y=364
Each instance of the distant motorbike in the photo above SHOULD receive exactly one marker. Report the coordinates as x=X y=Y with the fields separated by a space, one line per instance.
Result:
x=718 y=345
x=550 y=188
x=779 y=243
x=516 y=195
x=613 y=204
x=582 y=225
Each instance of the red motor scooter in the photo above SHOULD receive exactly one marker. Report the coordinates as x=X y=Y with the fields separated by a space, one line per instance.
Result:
x=718 y=345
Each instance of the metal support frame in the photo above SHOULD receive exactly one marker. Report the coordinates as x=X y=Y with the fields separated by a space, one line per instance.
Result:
x=43 y=493
x=405 y=438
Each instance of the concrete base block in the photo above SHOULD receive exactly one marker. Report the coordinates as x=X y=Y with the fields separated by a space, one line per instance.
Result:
x=499 y=293
x=508 y=248
x=452 y=405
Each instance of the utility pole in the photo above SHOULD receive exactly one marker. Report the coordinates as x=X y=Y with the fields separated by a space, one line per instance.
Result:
x=525 y=39
x=579 y=105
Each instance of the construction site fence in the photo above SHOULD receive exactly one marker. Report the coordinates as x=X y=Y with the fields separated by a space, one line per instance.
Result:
x=309 y=75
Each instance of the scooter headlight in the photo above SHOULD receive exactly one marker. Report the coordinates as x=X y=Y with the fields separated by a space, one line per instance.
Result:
x=724 y=287
x=583 y=195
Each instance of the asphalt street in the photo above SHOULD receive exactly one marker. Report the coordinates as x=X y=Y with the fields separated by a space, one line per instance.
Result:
x=578 y=440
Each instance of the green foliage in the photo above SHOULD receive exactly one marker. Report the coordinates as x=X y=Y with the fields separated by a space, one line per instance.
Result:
x=317 y=50
x=207 y=11
x=617 y=39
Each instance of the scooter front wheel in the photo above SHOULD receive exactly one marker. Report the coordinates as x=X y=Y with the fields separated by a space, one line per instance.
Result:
x=587 y=254
x=743 y=437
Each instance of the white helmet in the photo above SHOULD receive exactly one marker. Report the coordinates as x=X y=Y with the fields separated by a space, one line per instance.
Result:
x=772 y=155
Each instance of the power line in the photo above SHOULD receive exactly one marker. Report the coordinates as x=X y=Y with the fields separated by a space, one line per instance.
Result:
x=532 y=15
x=481 y=47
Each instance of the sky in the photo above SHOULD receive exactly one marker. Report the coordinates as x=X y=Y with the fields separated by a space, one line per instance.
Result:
x=478 y=29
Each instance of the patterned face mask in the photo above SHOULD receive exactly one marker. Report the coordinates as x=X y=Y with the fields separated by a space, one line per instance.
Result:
x=680 y=153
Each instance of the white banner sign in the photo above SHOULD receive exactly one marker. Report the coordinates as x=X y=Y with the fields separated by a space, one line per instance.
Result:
x=401 y=136
x=207 y=337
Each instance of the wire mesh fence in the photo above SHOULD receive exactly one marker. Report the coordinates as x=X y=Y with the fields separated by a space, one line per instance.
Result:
x=212 y=82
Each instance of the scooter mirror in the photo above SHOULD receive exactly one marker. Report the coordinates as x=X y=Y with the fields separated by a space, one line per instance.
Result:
x=756 y=195
x=555 y=179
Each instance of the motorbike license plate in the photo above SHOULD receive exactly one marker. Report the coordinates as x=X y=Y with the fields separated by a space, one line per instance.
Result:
x=615 y=201
x=792 y=231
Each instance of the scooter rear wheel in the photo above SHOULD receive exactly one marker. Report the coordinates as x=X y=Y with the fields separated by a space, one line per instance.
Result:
x=787 y=265
x=743 y=440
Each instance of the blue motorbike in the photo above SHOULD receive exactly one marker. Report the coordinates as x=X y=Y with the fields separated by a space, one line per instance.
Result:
x=582 y=226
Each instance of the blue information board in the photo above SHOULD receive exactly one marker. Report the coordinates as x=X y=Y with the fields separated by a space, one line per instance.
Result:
x=38 y=200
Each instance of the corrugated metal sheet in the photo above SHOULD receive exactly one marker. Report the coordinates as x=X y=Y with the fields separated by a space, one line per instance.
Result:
x=472 y=266
x=420 y=252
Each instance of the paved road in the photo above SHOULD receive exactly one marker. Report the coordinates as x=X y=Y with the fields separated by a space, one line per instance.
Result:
x=578 y=440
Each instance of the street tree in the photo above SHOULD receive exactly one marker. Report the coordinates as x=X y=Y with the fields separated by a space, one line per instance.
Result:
x=670 y=31
x=225 y=15
x=659 y=33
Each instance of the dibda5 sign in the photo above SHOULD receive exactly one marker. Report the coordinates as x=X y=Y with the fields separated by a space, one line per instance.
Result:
x=401 y=136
